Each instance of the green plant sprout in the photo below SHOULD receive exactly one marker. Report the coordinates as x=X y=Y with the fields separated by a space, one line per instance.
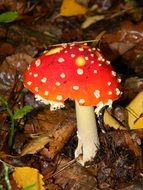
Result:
x=6 y=171
x=9 y=16
x=6 y=176
x=18 y=114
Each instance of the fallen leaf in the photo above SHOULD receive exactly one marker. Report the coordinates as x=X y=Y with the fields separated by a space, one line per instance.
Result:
x=138 y=123
x=72 y=8
x=36 y=144
x=133 y=145
x=109 y=120
x=28 y=177
x=60 y=138
x=135 y=110
x=91 y=20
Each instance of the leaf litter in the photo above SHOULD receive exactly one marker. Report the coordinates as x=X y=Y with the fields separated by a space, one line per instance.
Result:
x=46 y=140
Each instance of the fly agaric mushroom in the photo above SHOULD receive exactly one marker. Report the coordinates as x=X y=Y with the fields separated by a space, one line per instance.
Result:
x=76 y=72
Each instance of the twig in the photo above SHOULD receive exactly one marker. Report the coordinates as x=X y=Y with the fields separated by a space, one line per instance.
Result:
x=62 y=168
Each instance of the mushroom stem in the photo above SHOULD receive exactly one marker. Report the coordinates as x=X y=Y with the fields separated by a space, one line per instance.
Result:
x=88 y=141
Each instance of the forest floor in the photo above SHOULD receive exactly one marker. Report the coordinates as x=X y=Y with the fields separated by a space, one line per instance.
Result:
x=31 y=135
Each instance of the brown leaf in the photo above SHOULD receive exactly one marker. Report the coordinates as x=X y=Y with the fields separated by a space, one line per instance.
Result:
x=133 y=145
x=126 y=40
x=74 y=176
x=61 y=137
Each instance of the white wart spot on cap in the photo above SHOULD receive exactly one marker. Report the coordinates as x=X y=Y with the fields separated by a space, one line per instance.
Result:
x=89 y=49
x=99 y=64
x=108 y=62
x=35 y=75
x=110 y=102
x=94 y=71
x=44 y=80
x=81 y=101
x=80 y=71
x=80 y=49
x=30 y=73
x=28 y=68
x=46 y=93
x=99 y=106
x=64 y=45
x=97 y=93
x=66 y=51
x=61 y=60
x=92 y=61
x=109 y=83
x=118 y=92
x=38 y=62
x=99 y=58
x=72 y=55
x=62 y=75
x=36 y=89
x=75 y=87
x=59 y=97
x=113 y=73
x=29 y=83
x=86 y=58
x=119 y=80
x=110 y=92
x=92 y=55
x=58 y=83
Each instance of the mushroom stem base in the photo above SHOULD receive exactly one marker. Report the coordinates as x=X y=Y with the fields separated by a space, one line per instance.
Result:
x=88 y=141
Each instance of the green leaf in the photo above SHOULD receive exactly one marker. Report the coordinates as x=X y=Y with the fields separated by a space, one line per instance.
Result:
x=29 y=187
x=8 y=16
x=22 y=112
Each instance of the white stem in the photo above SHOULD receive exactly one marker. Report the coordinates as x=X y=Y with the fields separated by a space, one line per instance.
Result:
x=88 y=141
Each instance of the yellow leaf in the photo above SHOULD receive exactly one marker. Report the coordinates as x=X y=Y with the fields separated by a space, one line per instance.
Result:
x=72 y=8
x=135 y=110
x=109 y=120
x=138 y=124
x=28 y=177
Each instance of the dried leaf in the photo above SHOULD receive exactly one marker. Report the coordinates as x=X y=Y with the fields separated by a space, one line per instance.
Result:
x=135 y=111
x=36 y=144
x=91 y=20
x=60 y=138
x=72 y=8
x=109 y=120
x=28 y=177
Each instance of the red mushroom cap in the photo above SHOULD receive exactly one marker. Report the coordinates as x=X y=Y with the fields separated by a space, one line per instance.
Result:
x=73 y=71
